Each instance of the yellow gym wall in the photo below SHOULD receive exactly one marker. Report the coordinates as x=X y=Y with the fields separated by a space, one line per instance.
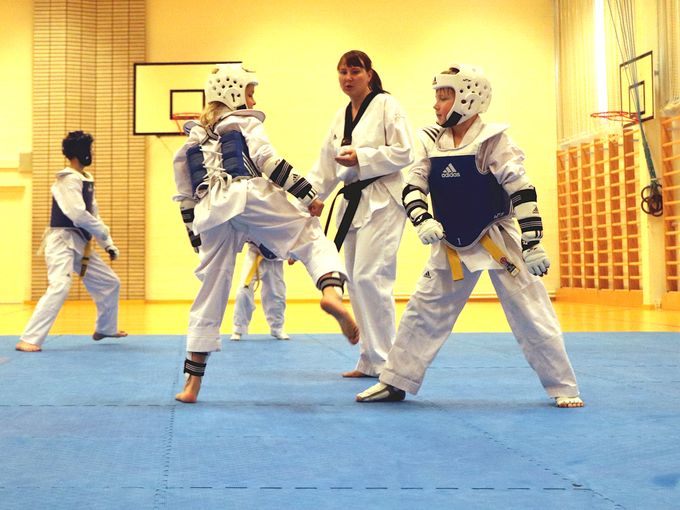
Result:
x=15 y=140
x=294 y=46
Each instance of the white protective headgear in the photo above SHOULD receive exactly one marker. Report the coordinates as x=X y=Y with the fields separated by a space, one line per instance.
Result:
x=473 y=92
x=228 y=85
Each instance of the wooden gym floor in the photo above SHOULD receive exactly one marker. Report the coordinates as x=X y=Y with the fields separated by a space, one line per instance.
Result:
x=140 y=318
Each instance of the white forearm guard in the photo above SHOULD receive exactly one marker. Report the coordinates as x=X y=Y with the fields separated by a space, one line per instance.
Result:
x=104 y=241
x=525 y=204
x=415 y=203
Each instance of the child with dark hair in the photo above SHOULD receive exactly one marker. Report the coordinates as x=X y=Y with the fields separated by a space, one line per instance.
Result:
x=68 y=248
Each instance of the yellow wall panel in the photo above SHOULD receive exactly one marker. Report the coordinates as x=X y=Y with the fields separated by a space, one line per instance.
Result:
x=294 y=47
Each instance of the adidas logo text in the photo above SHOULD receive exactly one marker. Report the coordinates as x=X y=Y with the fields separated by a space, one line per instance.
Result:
x=450 y=171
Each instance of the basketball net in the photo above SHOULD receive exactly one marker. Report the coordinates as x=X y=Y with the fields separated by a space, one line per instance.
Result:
x=617 y=116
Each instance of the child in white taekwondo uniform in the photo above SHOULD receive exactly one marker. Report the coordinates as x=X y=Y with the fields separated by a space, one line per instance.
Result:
x=260 y=267
x=368 y=144
x=476 y=179
x=74 y=222
x=230 y=185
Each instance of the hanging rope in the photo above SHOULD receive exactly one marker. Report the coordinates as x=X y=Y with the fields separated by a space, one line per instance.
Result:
x=624 y=30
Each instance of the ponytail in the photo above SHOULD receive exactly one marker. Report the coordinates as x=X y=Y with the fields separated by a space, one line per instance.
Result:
x=376 y=83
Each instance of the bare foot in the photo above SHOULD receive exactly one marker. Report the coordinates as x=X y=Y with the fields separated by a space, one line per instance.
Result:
x=565 y=402
x=332 y=304
x=189 y=395
x=98 y=336
x=26 y=347
x=355 y=374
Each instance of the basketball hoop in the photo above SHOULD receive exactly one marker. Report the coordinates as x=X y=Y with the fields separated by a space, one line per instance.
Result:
x=182 y=118
x=617 y=115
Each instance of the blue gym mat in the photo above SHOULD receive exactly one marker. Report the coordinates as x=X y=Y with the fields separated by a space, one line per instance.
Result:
x=95 y=425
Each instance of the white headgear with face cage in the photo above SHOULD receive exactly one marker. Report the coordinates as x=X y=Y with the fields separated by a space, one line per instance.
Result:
x=228 y=85
x=472 y=89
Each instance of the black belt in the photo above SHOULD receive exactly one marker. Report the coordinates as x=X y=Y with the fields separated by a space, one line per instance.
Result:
x=352 y=193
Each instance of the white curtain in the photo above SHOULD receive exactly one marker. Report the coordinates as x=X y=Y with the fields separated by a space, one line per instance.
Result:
x=588 y=66
x=669 y=61
x=577 y=81
x=612 y=55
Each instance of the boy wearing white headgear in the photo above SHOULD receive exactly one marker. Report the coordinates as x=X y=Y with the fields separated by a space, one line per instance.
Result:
x=477 y=183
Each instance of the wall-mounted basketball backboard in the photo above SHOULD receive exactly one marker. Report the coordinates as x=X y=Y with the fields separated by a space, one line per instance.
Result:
x=636 y=80
x=164 y=89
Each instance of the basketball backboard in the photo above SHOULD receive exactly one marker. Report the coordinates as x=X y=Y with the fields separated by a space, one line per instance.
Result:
x=636 y=79
x=164 y=89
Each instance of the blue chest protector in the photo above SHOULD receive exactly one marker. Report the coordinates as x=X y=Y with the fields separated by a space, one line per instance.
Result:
x=465 y=201
x=59 y=220
x=235 y=159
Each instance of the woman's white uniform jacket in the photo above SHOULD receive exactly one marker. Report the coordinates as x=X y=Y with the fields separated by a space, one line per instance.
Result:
x=383 y=143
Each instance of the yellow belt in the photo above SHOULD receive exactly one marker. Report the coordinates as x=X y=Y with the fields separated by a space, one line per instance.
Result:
x=491 y=247
x=86 y=259
x=253 y=270
x=454 y=262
